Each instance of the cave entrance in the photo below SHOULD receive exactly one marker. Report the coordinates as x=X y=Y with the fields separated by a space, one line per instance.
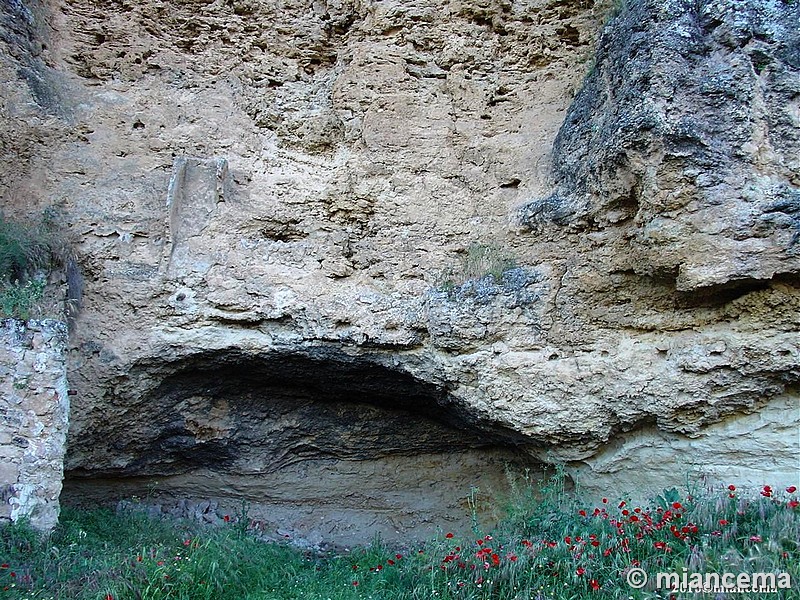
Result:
x=317 y=448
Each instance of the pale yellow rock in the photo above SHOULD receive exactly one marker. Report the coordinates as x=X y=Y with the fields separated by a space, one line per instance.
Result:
x=275 y=205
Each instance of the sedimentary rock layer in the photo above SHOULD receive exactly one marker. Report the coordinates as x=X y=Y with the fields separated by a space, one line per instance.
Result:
x=553 y=229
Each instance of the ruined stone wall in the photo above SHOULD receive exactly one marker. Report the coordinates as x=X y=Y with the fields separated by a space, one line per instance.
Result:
x=34 y=415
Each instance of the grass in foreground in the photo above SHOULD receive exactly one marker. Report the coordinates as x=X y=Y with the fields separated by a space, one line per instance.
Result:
x=551 y=547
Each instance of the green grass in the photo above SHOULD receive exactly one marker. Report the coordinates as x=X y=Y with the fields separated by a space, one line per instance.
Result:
x=20 y=300
x=553 y=546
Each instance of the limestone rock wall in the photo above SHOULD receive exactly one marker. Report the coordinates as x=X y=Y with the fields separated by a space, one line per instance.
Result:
x=289 y=182
x=34 y=413
x=685 y=135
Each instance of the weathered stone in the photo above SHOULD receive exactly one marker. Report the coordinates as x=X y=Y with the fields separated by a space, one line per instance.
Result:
x=681 y=136
x=34 y=420
x=280 y=314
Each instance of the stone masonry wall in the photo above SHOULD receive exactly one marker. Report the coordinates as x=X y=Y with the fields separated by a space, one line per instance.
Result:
x=34 y=415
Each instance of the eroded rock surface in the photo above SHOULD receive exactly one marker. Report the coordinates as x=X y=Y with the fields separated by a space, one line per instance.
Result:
x=686 y=135
x=277 y=207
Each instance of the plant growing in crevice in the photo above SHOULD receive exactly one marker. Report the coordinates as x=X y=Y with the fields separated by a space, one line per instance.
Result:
x=486 y=274
x=19 y=299
x=29 y=254
x=480 y=260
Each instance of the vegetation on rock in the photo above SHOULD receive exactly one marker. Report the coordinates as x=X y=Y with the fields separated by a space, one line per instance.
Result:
x=28 y=254
x=480 y=261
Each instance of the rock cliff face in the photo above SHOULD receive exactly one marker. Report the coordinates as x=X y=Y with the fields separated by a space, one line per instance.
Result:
x=332 y=249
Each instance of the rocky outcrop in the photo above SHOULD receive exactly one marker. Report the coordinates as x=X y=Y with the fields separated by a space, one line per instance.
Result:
x=357 y=237
x=685 y=134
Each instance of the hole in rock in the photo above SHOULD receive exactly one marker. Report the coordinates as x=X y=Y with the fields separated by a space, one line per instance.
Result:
x=319 y=447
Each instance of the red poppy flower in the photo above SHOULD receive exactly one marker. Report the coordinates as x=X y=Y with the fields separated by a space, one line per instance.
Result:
x=791 y=489
x=621 y=504
x=355 y=583
x=495 y=560
x=677 y=505
x=723 y=522
x=390 y=562
x=755 y=538
x=582 y=513
x=595 y=584
x=605 y=500
x=732 y=487
x=379 y=568
x=580 y=571
x=398 y=556
x=226 y=518
x=449 y=536
x=109 y=597
x=792 y=503
x=4 y=566
x=568 y=540
x=512 y=557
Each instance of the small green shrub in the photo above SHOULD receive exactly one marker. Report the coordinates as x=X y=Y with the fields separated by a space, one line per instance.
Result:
x=28 y=254
x=22 y=250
